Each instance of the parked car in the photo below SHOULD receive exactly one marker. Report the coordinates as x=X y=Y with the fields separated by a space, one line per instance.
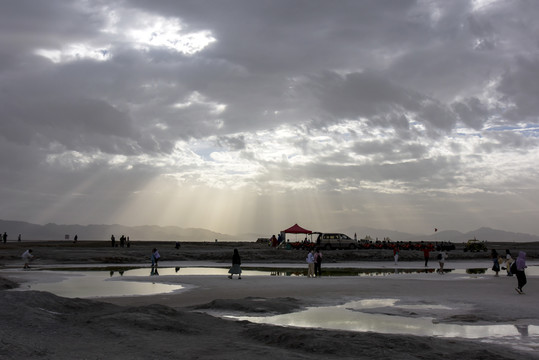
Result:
x=335 y=241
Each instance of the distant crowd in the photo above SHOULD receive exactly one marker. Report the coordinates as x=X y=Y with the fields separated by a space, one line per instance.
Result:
x=4 y=237
x=124 y=241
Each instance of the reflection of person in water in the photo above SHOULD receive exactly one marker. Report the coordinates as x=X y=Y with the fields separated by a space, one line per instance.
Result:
x=522 y=330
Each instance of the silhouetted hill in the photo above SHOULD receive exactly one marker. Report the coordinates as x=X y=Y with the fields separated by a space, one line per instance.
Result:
x=103 y=232
x=483 y=234
x=173 y=233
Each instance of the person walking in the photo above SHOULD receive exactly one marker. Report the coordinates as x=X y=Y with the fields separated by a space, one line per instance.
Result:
x=310 y=263
x=495 y=263
x=317 y=263
x=442 y=255
x=518 y=269
x=426 y=254
x=155 y=257
x=396 y=254
x=236 y=265
x=27 y=257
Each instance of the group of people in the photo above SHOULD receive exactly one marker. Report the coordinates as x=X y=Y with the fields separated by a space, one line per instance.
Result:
x=498 y=260
x=234 y=270
x=276 y=241
x=124 y=241
x=442 y=255
x=4 y=237
x=314 y=262
x=513 y=267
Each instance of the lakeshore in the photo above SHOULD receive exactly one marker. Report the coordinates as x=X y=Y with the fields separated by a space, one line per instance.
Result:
x=39 y=325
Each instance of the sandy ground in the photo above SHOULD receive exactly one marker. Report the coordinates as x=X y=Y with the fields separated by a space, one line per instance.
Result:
x=39 y=325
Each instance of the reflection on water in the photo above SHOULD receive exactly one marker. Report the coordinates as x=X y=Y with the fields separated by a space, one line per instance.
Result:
x=523 y=330
x=269 y=271
x=94 y=284
x=349 y=272
x=283 y=271
x=90 y=282
x=359 y=316
x=476 y=271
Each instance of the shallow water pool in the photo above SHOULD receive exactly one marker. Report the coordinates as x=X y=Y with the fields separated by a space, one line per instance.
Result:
x=95 y=282
x=359 y=316
x=376 y=315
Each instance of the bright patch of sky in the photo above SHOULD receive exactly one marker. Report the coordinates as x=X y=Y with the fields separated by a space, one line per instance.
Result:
x=74 y=52
x=408 y=113
x=198 y=99
x=478 y=5
x=138 y=29
x=145 y=30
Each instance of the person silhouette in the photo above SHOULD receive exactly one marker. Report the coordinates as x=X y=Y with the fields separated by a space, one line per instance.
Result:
x=236 y=265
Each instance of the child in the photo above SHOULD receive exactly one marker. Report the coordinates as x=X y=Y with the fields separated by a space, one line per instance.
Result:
x=27 y=257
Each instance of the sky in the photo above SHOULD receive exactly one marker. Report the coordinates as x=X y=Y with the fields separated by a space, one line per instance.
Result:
x=249 y=116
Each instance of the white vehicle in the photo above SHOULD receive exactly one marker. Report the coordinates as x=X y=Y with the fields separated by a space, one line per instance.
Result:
x=330 y=241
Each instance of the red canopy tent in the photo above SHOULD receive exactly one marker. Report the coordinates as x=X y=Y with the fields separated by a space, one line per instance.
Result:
x=296 y=229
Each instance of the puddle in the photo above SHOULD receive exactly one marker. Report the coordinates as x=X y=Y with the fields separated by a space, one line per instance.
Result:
x=109 y=282
x=193 y=270
x=377 y=315
x=94 y=284
x=283 y=271
x=355 y=316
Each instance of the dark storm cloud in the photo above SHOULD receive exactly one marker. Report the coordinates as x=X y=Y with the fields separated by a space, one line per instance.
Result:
x=394 y=96
x=520 y=87
x=76 y=123
x=361 y=95
x=471 y=112
x=27 y=24
x=268 y=36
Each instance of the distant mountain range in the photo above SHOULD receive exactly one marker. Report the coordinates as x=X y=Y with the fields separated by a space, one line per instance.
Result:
x=51 y=231
x=483 y=234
